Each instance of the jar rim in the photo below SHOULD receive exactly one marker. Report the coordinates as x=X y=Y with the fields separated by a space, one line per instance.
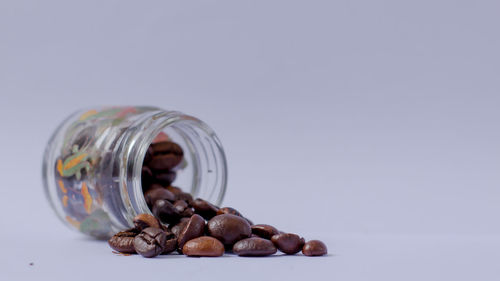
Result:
x=138 y=144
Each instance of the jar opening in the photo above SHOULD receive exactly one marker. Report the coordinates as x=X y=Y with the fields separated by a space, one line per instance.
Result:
x=203 y=171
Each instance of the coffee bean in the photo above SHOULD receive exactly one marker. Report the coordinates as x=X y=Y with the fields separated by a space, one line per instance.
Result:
x=148 y=156
x=176 y=229
x=204 y=208
x=165 y=211
x=185 y=196
x=167 y=147
x=156 y=194
x=229 y=228
x=264 y=230
x=164 y=162
x=180 y=195
x=123 y=241
x=194 y=228
x=174 y=189
x=180 y=205
x=254 y=247
x=146 y=178
x=187 y=213
x=314 y=248
x=165 y=178
x=150 y=242
x=156 y=186
x=288 y=243
x=203 y=246
x=170 y=243
x=143 y=221
x=228 y=210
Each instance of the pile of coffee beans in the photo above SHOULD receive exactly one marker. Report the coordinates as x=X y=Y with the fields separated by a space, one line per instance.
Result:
x=195 y=227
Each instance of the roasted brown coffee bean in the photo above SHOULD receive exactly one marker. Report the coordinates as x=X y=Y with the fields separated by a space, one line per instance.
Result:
x=150 y=242
x=165 y=211
x=194 y=228
x=187 y=213
x=176 y=229
x=185 y=196
x=288 y=243
x=203 y=246
x=264 y=230
x=146 y=178
x=156 y=194
x=174 y=189
x=180 y=205
x=254 y=247
x=167 y=147
x=228 y=210
x=123 y=241
x=170 y=243
x=157 y=186
x=314 y=248
x=164 y=162
x=229 y=228
x=143 y=221
x=204 y=208
x=149 y=155
x=165 y=178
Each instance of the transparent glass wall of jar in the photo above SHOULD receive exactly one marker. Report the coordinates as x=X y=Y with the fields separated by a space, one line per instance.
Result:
x=92 y=165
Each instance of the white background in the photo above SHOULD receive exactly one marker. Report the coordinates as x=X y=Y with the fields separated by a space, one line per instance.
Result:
x=372 y=125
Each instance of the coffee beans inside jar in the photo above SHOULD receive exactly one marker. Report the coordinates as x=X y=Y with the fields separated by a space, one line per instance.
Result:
x=193 y=226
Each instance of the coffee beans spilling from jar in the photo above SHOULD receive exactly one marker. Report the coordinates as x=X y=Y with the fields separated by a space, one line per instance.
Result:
x=195 y=227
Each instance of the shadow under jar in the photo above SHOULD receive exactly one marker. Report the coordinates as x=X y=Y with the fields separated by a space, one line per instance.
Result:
x=93 y=162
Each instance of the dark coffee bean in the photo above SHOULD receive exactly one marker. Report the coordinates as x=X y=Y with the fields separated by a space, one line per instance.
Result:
x=174 y=189
x=150 y=242
x=165 y=211
x=123 y=241
x=176 y=229
x=185 y=196
x=164 y=162
x=183 y=208
x=203 y=246
x=180 y=205
x=204 y=208
x=187 y=213
x=156 y=194
x=264 y=230
x=254 y=247
x=314 y=248
x=167 y=147
x=165 y=178
x=194 y=228
x=288 y=243
x=156 y=186
x=146 y=178
x=148 y=156
x=229 y=228
x=228 y=210
x=143 y=221
x=170 y=243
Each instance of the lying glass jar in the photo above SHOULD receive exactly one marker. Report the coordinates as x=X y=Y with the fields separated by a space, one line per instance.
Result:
x=93 y=162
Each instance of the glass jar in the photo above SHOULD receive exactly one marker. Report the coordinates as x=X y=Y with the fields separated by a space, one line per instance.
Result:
x=93 y=162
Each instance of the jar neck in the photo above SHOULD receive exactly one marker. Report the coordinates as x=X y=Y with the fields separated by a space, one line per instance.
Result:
x=204 y=174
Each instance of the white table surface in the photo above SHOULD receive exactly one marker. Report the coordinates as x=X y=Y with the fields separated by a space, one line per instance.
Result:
x=351 y=257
